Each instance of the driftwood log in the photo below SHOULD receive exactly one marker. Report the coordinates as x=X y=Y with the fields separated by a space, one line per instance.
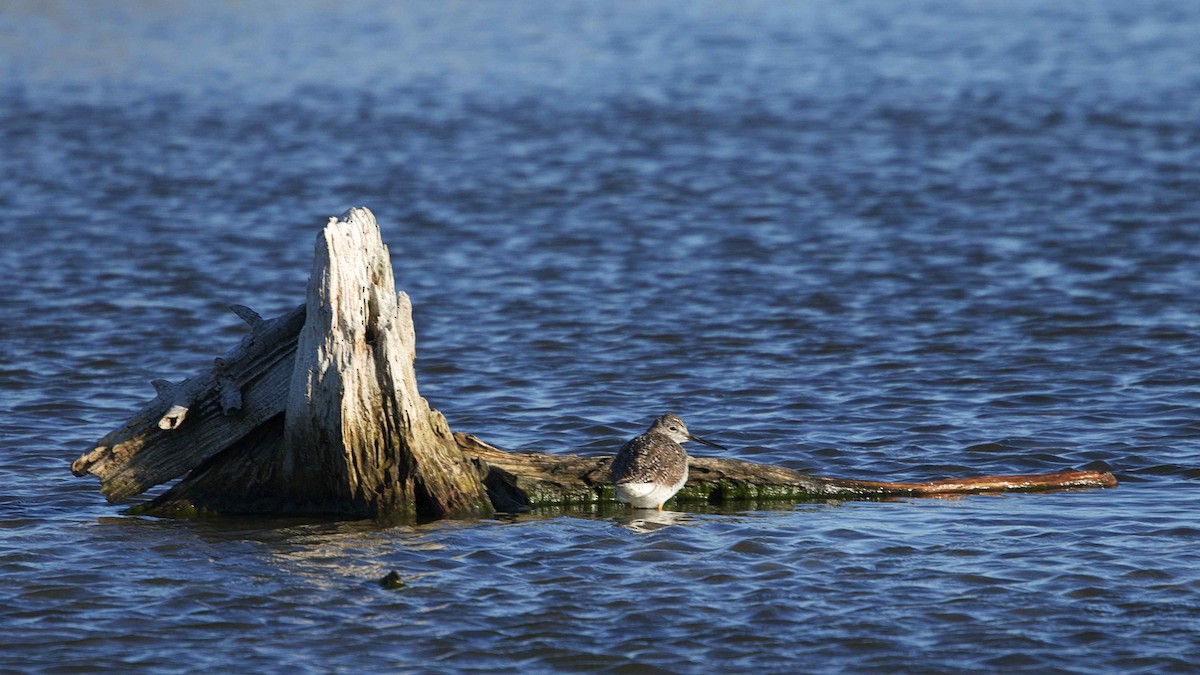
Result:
x=317 y=411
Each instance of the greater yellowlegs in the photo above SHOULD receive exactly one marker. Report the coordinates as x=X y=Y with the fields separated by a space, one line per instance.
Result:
x=652 y=467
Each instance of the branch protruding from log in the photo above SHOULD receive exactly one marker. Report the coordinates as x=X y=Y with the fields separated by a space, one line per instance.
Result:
x=246 y=314
x=1060 y=480
x=164 y=388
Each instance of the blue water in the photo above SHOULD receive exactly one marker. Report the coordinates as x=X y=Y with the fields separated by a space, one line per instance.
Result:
x=852 y=238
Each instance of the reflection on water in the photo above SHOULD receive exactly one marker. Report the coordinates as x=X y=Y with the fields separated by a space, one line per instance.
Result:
x=644 y=520
x=954 y=240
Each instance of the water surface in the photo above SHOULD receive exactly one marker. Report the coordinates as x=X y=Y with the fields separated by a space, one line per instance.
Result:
x=951 y=240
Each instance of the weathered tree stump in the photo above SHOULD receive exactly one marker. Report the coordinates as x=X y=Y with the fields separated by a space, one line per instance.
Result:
x=317 y=411
x=357 y=431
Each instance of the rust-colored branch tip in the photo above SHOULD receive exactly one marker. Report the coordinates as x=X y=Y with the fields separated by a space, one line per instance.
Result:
x=1103 y=478
x=1060 y=480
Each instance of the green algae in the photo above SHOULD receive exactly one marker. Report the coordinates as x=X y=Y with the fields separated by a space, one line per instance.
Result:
x=713 y=492
x=174 y=509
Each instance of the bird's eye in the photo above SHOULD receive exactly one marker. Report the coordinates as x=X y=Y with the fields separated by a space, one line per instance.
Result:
x=674 y=429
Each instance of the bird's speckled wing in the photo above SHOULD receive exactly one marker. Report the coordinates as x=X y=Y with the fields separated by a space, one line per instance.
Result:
x=650 y=458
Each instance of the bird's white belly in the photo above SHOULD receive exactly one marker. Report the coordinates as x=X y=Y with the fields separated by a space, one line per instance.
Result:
x=647 y=495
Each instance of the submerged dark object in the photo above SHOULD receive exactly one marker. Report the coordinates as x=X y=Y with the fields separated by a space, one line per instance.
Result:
x=392 y=581
x=317 y=411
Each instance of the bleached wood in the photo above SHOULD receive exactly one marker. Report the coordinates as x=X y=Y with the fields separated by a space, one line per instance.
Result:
x=357 y=430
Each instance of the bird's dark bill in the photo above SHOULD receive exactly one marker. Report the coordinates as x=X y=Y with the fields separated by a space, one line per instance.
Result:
x=708 y=443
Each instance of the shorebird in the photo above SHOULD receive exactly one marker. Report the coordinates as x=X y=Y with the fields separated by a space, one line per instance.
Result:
x=652 y=467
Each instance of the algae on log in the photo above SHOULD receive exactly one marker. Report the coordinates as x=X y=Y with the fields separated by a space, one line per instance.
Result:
x=317 y=411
